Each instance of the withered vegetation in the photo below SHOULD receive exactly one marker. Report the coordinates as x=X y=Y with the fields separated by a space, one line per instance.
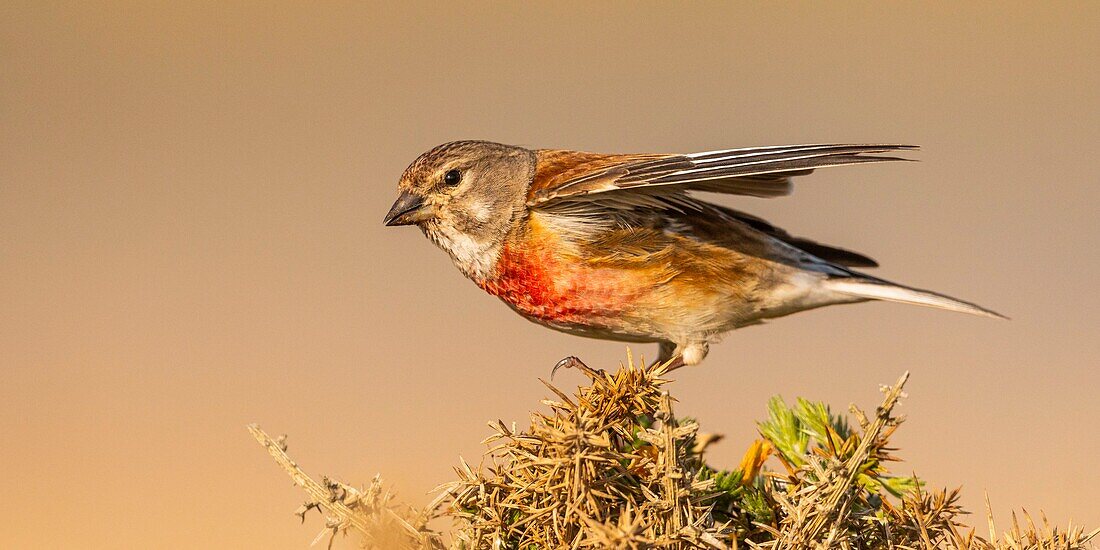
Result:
x=612 y=467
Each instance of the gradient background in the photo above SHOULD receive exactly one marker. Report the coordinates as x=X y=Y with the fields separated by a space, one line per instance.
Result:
x=191 y=199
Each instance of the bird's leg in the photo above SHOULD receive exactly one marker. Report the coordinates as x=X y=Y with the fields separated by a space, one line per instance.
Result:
x=571 y=362
x=676 y=363
x=668 y=353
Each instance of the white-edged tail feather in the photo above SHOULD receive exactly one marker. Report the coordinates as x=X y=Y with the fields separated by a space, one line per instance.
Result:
x=874 y=289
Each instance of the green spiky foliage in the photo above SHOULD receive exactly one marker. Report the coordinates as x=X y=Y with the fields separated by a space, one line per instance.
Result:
x=809 y=431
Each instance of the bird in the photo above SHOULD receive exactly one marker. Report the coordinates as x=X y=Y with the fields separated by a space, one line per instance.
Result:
x=621 y=247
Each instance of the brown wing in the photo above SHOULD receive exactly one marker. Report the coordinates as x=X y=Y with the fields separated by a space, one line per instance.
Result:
x=758 y=171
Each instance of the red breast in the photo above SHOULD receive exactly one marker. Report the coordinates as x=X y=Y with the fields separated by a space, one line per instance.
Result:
x=538 y=280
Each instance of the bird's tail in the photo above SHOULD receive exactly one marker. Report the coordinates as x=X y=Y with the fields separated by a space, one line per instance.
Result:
x=878 y=289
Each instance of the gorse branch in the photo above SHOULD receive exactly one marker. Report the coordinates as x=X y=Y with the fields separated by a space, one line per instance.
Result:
x=611 y=466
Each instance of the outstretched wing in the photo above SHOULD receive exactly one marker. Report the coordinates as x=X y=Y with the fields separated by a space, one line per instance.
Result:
x=758 y=171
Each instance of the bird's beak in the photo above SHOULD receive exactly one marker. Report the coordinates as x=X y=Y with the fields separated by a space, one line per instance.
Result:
x=408 y=209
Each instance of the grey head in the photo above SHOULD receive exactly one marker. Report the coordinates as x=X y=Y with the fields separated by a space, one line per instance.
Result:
x=465 y=196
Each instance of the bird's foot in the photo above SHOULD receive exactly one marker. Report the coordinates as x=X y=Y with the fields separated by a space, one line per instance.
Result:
x=570 y=363
x=666 y=365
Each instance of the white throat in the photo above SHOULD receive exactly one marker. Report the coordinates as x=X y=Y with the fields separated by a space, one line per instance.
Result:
x=475 y=259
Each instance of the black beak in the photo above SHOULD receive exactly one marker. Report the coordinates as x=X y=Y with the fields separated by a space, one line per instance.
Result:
x=406 y=210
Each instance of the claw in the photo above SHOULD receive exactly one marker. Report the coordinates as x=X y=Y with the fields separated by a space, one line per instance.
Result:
x=569 y=363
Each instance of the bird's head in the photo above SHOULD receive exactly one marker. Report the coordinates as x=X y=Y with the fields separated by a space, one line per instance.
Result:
x=465 y=195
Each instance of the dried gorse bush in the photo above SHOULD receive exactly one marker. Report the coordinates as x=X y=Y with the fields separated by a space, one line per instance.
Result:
x=613 y=467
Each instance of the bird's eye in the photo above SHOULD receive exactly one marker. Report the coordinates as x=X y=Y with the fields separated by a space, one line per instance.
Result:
x=452 y=177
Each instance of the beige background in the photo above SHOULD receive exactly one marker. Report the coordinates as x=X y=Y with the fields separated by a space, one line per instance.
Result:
x=190 y=240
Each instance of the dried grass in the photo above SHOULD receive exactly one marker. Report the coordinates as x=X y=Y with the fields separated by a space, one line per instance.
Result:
x=613 y=467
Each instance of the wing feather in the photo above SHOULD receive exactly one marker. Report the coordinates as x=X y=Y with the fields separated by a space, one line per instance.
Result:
x=757 y=171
